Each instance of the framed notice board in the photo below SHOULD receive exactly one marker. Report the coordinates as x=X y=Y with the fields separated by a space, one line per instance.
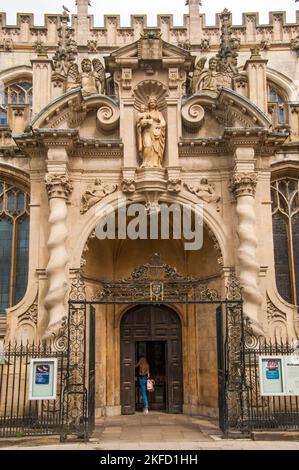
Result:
x=43 y=379
x=272 y=381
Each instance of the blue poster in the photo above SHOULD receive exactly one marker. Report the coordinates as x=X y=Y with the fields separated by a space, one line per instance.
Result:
x=42 y=375
x=272 y=374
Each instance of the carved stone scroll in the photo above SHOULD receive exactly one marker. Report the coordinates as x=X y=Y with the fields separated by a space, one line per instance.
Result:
x=193 y=114
x=108 y=116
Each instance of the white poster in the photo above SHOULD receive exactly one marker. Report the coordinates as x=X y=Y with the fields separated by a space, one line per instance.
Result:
x=291 y=366
x=271 y=375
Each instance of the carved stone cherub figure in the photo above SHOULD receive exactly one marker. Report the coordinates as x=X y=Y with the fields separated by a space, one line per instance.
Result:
x=220 y=73
x=92 y=79
x=204 y=190
x=95 y=193
x=211 y=80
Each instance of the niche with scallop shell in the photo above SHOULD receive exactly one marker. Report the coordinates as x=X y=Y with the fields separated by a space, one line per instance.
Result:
x=148 y=88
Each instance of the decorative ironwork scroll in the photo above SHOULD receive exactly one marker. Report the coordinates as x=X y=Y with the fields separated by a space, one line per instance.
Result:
x=75 y=392
x=234 y=356
x=156 y=280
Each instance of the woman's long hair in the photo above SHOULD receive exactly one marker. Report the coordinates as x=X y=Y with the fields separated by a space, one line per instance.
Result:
x=143 y=365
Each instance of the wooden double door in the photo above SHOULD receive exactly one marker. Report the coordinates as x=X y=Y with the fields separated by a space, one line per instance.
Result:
x=156 y=333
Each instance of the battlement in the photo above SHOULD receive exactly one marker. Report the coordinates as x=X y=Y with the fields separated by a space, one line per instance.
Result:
x=25 y=33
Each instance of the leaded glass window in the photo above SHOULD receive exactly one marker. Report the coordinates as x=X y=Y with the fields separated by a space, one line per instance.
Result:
x=14 y=244
x=17 y=93
x=276 y=106
x=285 y=210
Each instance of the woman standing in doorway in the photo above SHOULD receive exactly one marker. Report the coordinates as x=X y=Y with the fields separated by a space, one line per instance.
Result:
x=143 y=366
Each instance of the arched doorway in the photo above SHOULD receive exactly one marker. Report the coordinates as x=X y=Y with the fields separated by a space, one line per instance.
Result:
x=155 y=331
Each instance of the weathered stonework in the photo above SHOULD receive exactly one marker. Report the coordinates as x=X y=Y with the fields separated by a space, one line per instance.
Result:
x=213 y=134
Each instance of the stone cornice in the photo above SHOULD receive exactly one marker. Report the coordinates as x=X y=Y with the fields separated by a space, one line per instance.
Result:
x=11 y=152
x=265 y=142
x=70 y=139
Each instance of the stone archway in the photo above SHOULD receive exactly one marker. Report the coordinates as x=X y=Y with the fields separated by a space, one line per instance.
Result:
x=162 y=326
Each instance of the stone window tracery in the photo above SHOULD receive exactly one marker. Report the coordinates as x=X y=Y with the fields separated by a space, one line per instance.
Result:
x=14 y=244
x=276 y=106
x=16 y=94
x=285 y=213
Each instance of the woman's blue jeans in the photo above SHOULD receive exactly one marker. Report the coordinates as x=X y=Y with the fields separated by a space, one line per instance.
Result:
x=143 y=387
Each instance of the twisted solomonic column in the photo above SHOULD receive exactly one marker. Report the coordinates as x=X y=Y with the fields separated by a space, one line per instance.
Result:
x=59 y=188
x=243 y=186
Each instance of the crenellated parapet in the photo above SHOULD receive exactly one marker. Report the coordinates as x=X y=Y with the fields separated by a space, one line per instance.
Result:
x=23 y=35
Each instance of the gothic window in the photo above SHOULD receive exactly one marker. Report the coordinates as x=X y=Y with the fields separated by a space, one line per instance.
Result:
x=276 y=105
x=285 y=210
x=16 y=94
x=3 y=116
x=14 y=244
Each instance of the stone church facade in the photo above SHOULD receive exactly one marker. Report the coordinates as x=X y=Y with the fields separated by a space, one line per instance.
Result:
x=92 y=117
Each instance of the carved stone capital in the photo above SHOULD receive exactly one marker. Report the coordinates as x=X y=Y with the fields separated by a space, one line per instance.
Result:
x=243 y=184
x=58 y=185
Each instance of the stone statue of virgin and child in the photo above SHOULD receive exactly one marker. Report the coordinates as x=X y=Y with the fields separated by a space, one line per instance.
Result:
x=151 y=135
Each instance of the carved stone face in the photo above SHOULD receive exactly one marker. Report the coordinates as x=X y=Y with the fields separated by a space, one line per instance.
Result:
x=152 y=103
x=86 y=66
x=213 y=65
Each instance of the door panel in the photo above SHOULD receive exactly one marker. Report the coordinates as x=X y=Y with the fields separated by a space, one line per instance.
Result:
x=91 y=371
x=128 y=377
x=221 y=369
x=152 y=324
x=175 y=376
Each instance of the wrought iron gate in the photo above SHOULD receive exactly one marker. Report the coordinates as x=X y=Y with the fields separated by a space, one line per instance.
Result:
x=78 y=409
x=73 y=412
x=154 y=284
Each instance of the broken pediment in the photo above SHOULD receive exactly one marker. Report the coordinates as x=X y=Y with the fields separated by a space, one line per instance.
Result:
x=149 y=48
x=94 y=116
x=204 y=115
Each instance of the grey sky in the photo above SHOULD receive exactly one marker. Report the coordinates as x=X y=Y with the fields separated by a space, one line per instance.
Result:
x=150 y=7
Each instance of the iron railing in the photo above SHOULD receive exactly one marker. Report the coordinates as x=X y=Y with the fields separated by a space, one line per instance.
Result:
x=278 y=412
x=20 y=416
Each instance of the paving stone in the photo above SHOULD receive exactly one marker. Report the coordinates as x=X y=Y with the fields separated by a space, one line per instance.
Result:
x=156 y=432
